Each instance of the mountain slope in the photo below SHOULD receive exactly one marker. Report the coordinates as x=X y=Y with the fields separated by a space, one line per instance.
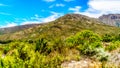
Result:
x=63 y=27
x=16 y=28
x=51 y=45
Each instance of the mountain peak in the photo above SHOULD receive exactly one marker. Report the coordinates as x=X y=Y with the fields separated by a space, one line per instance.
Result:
x=74 y=16
x=77 y=18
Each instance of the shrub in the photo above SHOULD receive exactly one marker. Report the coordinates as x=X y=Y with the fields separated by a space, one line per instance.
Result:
x=42 y=46
x=85 y=41
x=113 y=46
x=117 y=37
x=83 y=37
x=107 y=38
x=102 y=55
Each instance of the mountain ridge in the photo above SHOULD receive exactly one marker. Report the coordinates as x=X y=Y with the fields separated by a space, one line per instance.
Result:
x=63 y=27
x=16 y=28
x=72 y=17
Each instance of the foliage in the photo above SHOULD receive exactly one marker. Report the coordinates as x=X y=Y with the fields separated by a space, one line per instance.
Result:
x=48 y=45
x=113 y=46
x=42 y=46
x=50 y=53
x=86 y=42
x=107 y=38
x=102 y=55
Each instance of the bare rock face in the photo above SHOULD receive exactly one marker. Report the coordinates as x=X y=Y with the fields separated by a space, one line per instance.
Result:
x=111 y=19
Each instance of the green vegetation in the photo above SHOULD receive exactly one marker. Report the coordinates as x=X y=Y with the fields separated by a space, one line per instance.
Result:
x=44 y=53
x=65 y=39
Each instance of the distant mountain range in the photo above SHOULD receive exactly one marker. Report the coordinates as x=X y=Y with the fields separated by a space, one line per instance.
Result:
x=111 y=19
x=16 y=28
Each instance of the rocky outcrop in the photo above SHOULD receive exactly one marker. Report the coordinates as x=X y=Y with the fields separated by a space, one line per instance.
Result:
x=86 y=63
x=111 y=19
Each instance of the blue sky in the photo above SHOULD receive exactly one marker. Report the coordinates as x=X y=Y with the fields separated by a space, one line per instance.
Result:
x=20 y=12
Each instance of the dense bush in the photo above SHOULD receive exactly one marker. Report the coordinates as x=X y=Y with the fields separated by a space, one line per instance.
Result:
x=24 y=55
x=86 y=42
x=107 y=38
x=83 y=38
x=42 y=46
x=46 y=53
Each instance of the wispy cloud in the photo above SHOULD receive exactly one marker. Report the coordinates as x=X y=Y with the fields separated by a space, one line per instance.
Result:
x=49 y=0
x=60 y=5
x=68 y=0
x=3 y=13
x=52 y=17
x=30 y=22
x=9 y=25
x=57 y=5
x=76 y=9
x=51 y=6
x=3 y=4
x=37 y=19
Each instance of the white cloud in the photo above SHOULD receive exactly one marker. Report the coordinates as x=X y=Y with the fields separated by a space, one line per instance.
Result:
x=105 y=5
x=49 y=0
x=9 y=25
x=34 y=20
x=76 y=9
x=99 y=7
x=30 y=22
x=57 y=5
x=52 y=17
x=37 y=19
x=60 y=5
x=68 y=0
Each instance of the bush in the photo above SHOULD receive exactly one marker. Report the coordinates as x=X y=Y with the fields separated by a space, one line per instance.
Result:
x=102 y=55
x=85 y=42
x=42 y=46
x=113 y=46
x=107 y=38
x=117 y=37
x=83 y=38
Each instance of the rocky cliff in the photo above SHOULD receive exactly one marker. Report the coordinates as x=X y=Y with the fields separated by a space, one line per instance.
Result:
x=111 y=19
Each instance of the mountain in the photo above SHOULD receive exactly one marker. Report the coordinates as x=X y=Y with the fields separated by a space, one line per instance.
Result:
x=63 y=27
x=72 y=40
x=16 y=28
x=111 y=19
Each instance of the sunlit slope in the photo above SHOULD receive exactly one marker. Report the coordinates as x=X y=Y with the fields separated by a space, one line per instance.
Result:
x=63 y=27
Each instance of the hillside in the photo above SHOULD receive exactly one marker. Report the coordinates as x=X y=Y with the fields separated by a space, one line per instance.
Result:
x=63 y=27
x=16 y=28
x=72 y=40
